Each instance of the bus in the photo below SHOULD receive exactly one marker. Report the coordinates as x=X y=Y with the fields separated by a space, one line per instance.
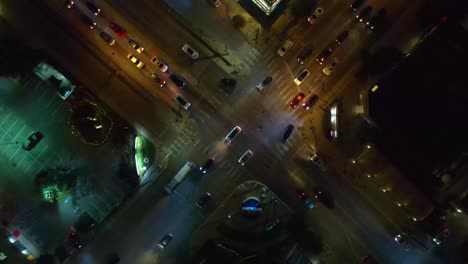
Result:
x=180 y=176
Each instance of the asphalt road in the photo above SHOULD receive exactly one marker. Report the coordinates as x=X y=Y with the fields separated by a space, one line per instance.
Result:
x=135 y=229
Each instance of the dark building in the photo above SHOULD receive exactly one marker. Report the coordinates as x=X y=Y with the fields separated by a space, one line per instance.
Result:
x=421 y=108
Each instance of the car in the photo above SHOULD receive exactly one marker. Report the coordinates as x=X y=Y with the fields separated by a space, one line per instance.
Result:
x=319 y=162
x=182 y=101
x=368 y=260
x=165 y=240
x=334 y=121
x=287 y=133
x=317 y=13
x=65 y=91
x=285 y=47
x=207 y=165
x=329 y=68
x=441 y=237
x=74 y=240
x=107 y=38
x=118 y=29
x=403 y=240
x=96 y=11
x=139 y=64
x=304 y=55
x=87 y=21
x=364 y=14
x=32 y=141
x=245 y=157
x=377 y=19
x=69 y=3
x=310 y=102
x=306 y=199
x=324 y=55
x=177 y=81
x=157 y=79
x=324 y=197
x=296 y=100
x=160 y=64
x=234 y=132
x=342 y=37
x=301 y=76
x=136 y=46
x=357 y=4
x=214 y=3
x=264 y=83
x=189 y=51
x=203 y=199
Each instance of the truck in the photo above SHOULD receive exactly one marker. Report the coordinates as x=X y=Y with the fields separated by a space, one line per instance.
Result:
x=180 y=176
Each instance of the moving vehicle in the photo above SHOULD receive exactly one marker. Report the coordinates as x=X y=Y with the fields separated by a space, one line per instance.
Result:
x=87 y=21
x=107 y=38
x=342 y=37
x=319 y=162
x=357 y=4
x=203 y=200
x=69 y=3
x=306 y=199
x=285 y=47
x=441 y=237
x=182 y=101
x=310 y=102
x=190 y=51
x=325 y=198
x=317 y=13
x=177 y=81
x=304 y=55
x=378 y=19
x=245 y=157
x=364 y=14
x=287 y=132
x=118 y=29
x=165 y=240
x=96 y=11
x=138 y=63
x=32 y=141
x=299 y=97
x=180 y=176
x=158 y=80
x=74 y=240
x=301 y=76
x=264 y=83
x=160 y=64
x=136 y=46
x=236 y=130
x=207 y=165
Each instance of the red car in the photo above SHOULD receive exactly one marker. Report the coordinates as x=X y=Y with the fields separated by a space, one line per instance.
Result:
x=117 y=29
x=299 y=97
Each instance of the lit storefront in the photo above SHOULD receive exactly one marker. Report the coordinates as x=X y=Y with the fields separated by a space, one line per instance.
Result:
x=267 y=6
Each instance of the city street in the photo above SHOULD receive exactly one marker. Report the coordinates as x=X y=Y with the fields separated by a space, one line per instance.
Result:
x=354 y=228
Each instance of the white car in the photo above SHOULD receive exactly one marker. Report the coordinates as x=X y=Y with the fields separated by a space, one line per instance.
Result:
x=234 y=132
x=285 y=47
x=317 y=161
x=189 y=51
x=161 y=65
x=329 y=68
x=245 y=157
x=301 y=76
x=317 y=13
x=182 y=101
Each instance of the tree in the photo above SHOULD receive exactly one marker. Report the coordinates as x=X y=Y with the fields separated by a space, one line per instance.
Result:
x=51 y=183
x=238 y=21
x=17 y=59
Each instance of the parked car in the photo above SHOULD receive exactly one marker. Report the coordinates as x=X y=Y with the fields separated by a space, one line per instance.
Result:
x=245 y=157
x=319 y=162
x=301 y=76
x=306 y=199
x=32 y=141
x=160 y=64
x=107 y=38
x=190 y=51
x=182 y=101
x=136 y=46
x=264 y=83
x=158 y=79
x=304 y=55
x=299 y=97
x=317 y=13
x=203 y=199
x=96 y=11
x=165 y=240
x=285 y=47
x=236 y=130
x=207 y=165
x=177 y=81
x=310 y=102
x=118 y=29
x=287 y=133
x=138 y=63
x=342 y=37
x=324 y=55
x=329 y=68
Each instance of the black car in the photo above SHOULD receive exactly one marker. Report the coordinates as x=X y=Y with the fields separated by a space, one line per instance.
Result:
x=87 y=21
x=208 y=164
x=177 y=81
x=264 y=83
x=324 y=55
x=96 y=11
x=32 y=141
x=306 y=199
x=310 y=102
x=342 y=36
x=287 y=132
x=364 y=14
x=165 y=240
x=203 y=199
x=377 y=19
x=357 y=4
x=107 y=38
x=304 y=55
x=325 y=198
x=74 y=240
